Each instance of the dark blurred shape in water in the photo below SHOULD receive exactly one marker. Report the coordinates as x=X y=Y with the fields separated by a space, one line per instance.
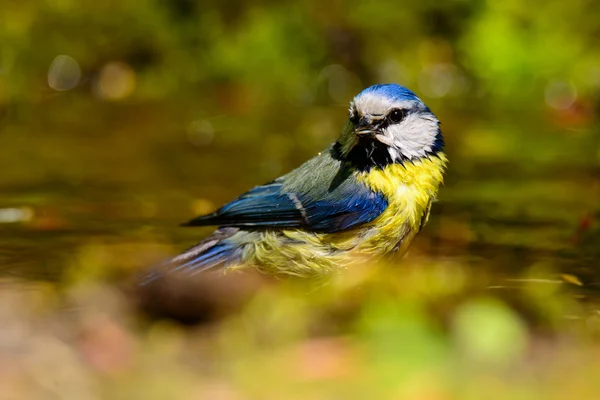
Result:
x=197 y=299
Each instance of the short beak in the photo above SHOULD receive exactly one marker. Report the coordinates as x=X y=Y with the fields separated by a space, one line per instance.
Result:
x=365 y=128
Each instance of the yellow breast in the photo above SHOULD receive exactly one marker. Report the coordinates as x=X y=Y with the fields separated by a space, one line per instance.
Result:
x=409 y=188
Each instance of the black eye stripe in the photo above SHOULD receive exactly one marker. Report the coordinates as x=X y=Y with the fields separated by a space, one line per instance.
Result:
x=393 y=117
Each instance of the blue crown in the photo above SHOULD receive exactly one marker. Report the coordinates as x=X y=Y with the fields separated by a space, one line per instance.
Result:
x=391 y=91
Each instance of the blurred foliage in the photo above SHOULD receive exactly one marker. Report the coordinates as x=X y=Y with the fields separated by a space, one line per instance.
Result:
x=120 y=119
x=502 y=49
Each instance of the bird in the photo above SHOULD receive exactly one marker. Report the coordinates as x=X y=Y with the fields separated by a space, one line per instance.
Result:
x=363 y=198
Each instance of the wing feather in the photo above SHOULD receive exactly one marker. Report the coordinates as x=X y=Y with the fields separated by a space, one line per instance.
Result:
x=270 y=206
x=320 y=196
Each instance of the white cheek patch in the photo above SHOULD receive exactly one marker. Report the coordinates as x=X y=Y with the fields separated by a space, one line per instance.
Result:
x=413 y=138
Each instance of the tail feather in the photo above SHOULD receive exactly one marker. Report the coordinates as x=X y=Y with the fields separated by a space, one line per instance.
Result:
x=198 y=260
x=213 y=252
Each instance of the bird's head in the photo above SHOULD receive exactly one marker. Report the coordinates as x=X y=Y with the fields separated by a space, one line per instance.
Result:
x=388 y=124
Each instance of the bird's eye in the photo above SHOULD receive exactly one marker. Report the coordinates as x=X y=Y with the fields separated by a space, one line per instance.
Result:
x=396 y=115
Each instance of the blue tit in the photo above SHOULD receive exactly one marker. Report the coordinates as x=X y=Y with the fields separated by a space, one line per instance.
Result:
x=365 y=196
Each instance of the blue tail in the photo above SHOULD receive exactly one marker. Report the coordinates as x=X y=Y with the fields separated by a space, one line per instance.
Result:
x=199 y=258
x=215 y=251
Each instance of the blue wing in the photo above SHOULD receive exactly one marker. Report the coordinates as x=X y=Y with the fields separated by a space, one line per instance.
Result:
x=275 y=206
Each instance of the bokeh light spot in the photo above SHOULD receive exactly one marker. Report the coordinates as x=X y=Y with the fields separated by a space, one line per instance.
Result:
x=200 y=132
x=12 y=215
x=64 y=73
x=441 y=80
x=341 y=83
x=560 y=95
x=116 y=81
x=488 y=330
x=392 y=71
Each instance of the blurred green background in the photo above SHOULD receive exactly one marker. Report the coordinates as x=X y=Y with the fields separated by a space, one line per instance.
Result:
x=121 y=119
